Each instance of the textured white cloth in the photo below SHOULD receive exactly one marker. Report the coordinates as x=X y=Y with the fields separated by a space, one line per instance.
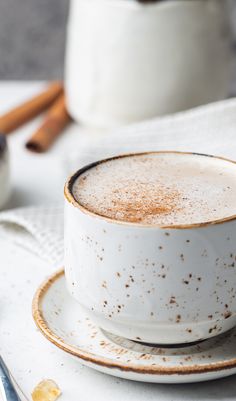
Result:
x=37 y=229
x=207 y=129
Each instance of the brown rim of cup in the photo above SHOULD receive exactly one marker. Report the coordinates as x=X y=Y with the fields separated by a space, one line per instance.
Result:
x=68 y=193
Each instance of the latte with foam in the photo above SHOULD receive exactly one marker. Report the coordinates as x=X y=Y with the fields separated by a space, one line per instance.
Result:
x=159 y=189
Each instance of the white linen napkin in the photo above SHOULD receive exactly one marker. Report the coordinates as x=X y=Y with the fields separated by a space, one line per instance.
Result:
x=37 y=229
x=207 y=129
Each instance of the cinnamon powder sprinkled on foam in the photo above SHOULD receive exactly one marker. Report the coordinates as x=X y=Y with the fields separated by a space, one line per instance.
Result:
x=159 y=188
x=142 y=203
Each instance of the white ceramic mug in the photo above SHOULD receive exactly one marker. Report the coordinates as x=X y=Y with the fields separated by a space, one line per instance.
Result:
x=182 y=290
x=128 y=61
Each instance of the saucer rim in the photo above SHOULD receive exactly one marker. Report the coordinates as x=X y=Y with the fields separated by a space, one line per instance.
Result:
x=89 y=357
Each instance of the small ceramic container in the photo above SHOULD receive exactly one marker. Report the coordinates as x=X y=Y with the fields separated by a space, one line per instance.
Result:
x=4 y=172
x=148 y=283
x=128 y=61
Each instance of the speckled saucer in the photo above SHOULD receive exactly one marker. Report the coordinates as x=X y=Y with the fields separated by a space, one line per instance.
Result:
x=66 y=325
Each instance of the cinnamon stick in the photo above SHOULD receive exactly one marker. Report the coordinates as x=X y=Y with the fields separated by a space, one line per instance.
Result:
x=56 y=120
x=30 y=109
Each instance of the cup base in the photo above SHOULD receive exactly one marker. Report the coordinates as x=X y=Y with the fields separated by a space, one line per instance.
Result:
x=152 y=333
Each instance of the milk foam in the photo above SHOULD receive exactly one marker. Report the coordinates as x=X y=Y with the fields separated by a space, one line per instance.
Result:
x=159 y=188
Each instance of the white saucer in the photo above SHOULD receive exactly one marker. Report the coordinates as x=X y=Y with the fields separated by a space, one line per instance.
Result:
x=66 y=325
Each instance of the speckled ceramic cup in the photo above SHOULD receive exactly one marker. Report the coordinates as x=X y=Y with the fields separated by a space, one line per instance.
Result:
x=166 y=284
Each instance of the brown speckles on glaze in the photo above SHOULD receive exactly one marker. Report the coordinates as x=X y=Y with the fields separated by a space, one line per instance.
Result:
x=178 y=318
x=104 y=284
x=214 y=328
x=131 y=279
x=227 y=314
x=172 y=300
x=145 y=357
x=182 y=257
x=118 y=274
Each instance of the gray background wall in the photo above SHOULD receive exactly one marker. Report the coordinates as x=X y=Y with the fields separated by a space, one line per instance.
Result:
x=32 y=38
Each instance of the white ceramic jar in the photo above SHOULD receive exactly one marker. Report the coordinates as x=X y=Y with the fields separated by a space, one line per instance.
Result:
x=150 y=283
x=128 y=61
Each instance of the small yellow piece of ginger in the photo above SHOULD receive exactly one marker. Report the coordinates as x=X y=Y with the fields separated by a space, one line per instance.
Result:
x=46 y=390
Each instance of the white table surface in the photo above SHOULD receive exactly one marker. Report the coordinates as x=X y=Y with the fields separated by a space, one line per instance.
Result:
x=38 y=179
